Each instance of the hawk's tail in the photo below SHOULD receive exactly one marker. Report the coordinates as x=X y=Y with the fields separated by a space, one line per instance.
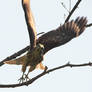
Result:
x=18 y=61
x=12 y=62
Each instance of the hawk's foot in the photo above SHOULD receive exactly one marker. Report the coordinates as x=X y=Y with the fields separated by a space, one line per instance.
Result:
x=22 y=79
x=26 y=77
x=45 y=68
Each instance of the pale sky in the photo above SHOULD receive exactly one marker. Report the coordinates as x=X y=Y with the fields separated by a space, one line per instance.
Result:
x=48 y=14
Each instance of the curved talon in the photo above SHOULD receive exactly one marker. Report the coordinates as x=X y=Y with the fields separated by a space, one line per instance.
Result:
x=22 y=79
x=45 y=68
x=26 y=77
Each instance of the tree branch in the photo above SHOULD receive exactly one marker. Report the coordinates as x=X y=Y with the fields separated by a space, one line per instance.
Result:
x=15 y=55
x=72 y=11
x=89 y=25
x=44 y=73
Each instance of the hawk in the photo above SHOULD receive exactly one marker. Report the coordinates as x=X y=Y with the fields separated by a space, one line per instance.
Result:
x=63 y=34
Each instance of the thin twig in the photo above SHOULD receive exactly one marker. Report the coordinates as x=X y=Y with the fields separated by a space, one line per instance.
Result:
x=64 y=7
x=72 y=11
x=15 y=55
x=44 y=73
x=40 y=33
x=89 y=25
x=69 y=6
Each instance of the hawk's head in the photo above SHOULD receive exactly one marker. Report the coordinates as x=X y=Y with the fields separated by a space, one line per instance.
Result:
x=40 y=48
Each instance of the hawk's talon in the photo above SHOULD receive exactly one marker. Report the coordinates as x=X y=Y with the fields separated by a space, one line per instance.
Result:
x=45 y=68
x=22 y=79
x=26 y=77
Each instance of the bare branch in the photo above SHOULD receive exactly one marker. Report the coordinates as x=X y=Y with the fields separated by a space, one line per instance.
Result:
x=44 y=73
x=64 y=7
x=40 y=33
x=89 y=25
x=15 y=55
x=72 y=11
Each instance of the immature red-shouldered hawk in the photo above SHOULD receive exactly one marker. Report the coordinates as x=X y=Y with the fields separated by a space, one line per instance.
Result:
x=46 y=42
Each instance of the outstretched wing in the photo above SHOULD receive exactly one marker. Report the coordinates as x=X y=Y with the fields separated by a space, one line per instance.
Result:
x=63 y=34
x=57 y=37
x=30 y=22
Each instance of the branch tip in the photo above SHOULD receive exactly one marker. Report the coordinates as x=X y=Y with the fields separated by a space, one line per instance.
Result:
x=90 y=64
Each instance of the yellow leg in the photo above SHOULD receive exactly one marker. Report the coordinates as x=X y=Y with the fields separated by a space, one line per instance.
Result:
x=22 y=79
x=31 y=69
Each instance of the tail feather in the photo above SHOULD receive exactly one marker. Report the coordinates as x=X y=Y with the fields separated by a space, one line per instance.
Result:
x=18 y=61
x=15 y=62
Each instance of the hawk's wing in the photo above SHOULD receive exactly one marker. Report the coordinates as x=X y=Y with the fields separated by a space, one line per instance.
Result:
x=30 y=22
x=63 y=34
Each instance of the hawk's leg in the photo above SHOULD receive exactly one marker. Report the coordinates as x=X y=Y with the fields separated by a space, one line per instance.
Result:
x=26 y=77
x=22 y=79
x=30 y=70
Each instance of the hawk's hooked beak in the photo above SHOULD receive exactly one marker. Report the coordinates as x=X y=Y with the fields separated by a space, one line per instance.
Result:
x=42 y=48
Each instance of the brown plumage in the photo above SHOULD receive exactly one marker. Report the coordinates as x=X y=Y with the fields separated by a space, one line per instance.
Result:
x=62 y=34
x=58 y=37
x=50 y=40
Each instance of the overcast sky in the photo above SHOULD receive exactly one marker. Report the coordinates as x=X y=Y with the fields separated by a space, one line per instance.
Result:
x=48 y=14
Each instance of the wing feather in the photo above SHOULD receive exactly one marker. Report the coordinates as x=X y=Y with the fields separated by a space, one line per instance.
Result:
x=63 y=34
x=30 y=23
